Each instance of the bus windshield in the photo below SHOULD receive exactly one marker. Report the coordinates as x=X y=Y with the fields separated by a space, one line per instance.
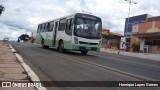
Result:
x=88 y=28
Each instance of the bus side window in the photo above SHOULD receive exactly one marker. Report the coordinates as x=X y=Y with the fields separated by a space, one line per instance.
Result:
x=42 y=27
x=69 y=26
x=72 y=21
x=51 y=26
x=47 y=27
x=38 y=29
x=62 y=25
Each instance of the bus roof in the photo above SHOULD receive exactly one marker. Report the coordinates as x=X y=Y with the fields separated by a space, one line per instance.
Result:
x=72 y=15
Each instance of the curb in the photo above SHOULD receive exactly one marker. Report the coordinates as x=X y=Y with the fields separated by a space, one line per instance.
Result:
x=140 y=55
x=29 y=71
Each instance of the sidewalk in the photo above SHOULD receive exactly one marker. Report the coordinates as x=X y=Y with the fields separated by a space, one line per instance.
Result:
x=150 y=56
x=10 y=68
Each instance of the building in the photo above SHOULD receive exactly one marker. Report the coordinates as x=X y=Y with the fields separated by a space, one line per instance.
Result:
x=110 y=39
x=5 y=39
x=32 y=38
x=147 y=35
x=134 y=20
x=128 y=26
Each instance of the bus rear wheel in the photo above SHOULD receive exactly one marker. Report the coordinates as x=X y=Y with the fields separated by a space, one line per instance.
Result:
x=61 y=47
x=84 y=52
x=45 y=46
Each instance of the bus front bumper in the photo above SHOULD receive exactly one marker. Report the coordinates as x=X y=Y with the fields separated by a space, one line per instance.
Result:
x=85 y=47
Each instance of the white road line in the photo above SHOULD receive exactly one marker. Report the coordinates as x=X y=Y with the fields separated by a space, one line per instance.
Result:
x=115 y=70
x=132 y=63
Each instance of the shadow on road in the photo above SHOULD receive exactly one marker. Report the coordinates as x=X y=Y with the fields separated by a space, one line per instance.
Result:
x=67 y=52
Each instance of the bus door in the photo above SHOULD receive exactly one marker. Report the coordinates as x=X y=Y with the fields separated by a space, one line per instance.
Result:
x=55 y=33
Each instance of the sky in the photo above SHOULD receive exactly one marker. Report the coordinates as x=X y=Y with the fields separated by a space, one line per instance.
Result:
x=23 y=16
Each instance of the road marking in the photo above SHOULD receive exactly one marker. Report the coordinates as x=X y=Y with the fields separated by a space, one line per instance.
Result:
x=115 y=70
x=133 y=63
x=116 y=59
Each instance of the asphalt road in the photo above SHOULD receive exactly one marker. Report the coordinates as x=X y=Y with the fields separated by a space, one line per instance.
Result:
x=96 y=66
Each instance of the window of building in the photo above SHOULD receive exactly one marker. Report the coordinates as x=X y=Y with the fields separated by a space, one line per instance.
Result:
x=148 y=43
x=156 y=42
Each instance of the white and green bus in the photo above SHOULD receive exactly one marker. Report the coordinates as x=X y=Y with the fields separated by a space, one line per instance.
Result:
x=79 y=32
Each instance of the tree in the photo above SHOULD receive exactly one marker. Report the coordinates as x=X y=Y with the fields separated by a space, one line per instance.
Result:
x=23 y=37
x=1 y=9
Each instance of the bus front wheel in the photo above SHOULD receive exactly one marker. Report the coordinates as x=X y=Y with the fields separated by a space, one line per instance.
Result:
x=84 y=52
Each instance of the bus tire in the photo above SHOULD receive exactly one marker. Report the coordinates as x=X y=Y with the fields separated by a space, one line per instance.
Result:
x=45 y=46
x=42 y=43
x=61 y=47
x=84 y=52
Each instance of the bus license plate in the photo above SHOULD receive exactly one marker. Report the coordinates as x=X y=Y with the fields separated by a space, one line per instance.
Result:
x=88 y=48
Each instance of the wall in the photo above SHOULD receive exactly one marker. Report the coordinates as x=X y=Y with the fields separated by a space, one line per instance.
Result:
x=148 y=27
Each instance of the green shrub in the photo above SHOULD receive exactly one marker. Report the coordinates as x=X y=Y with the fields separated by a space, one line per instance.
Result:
x=135 y=47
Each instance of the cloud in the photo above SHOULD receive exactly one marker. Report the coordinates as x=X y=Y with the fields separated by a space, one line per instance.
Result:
x=21 y=16
x=12 y=32
x=73 y=6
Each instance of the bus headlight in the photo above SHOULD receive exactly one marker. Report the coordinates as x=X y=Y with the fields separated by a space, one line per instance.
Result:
x=75 y=40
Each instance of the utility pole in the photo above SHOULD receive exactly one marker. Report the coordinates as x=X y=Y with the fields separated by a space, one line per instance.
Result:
x=128 y=23
x=130 y=2
x=1 y=9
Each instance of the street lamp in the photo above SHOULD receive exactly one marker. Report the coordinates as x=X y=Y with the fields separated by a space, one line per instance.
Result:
x=130 y=1
x=127 y=27
x=1 y=9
